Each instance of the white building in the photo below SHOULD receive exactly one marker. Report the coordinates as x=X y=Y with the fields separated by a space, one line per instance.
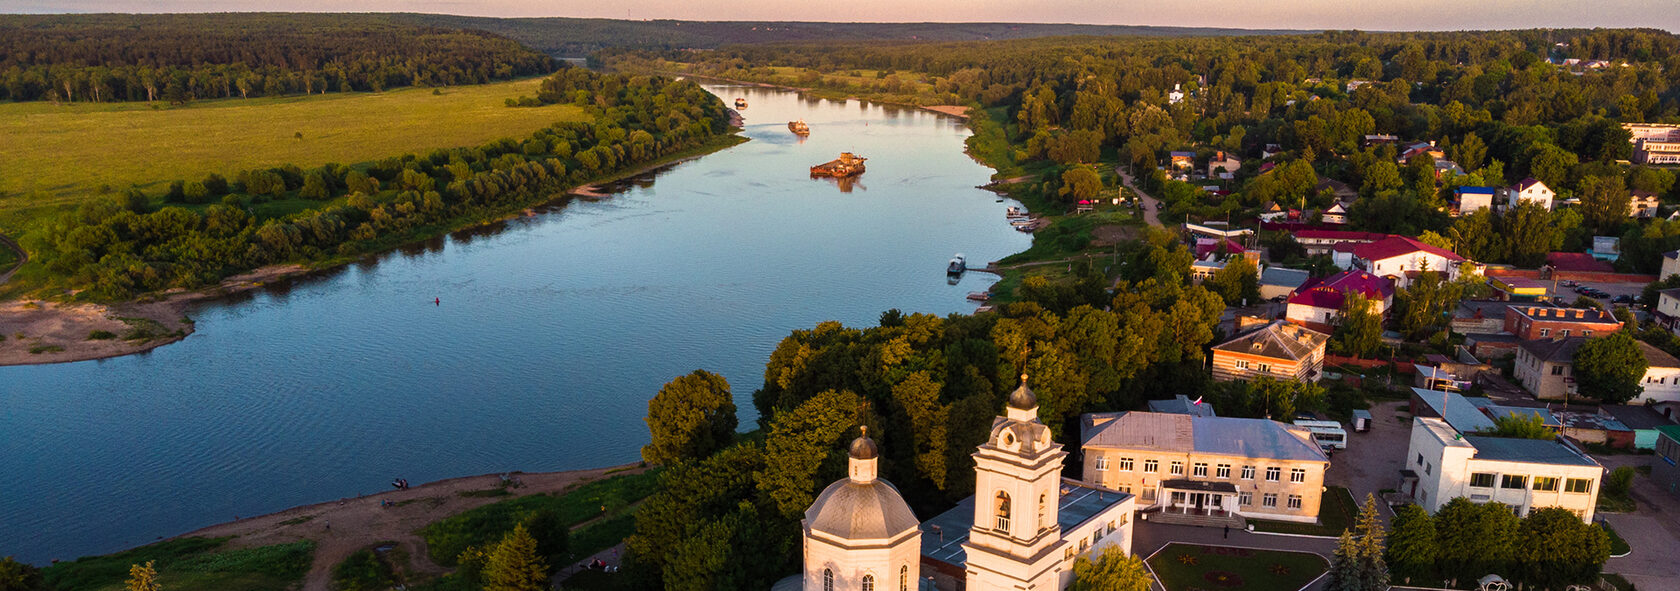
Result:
x=1526 y=474
x=1399 y=258
x=1176 y=96
x=860 y=534
x=1531 y=190
x=1670 y=264
x=1335 y=214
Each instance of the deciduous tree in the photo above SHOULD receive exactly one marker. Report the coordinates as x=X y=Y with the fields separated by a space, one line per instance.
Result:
x=691 y=417
x=1610 y=368
x=1111 y=570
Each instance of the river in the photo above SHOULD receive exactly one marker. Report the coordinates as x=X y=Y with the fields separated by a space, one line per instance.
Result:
x=552 y=333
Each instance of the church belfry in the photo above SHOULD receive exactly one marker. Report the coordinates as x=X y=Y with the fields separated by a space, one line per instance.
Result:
x=1015 y=542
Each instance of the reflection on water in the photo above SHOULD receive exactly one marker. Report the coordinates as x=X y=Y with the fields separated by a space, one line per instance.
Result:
x=552 y=333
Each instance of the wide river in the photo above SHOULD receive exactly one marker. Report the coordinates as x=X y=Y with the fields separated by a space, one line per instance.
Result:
x=553 y=332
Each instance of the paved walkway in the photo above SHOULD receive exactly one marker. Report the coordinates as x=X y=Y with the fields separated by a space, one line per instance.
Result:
x=612 y=556
x=1653 y=532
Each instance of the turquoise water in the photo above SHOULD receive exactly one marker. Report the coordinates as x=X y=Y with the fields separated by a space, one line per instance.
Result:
x=554 y=330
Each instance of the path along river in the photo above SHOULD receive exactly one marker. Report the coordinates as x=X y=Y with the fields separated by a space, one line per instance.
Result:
x=553 y=332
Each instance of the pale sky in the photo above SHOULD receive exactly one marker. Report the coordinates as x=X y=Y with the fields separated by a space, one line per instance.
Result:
x=1283 y=14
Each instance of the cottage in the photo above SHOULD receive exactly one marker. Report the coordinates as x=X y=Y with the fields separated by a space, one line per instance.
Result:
x=1278 y=350
x=1533 y=191
x=1223 y=165
x=1398 y=257
x=1468 y=199
x=1319 y=301
x=1183 y=161
x=1642 y=204
x=1668 y=309
x=1335 y=214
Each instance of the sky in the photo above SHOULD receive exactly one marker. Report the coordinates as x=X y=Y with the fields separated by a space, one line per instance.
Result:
x=1255 y=14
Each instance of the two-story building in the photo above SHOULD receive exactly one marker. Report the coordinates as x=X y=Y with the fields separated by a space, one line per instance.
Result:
x=1525 y=474
x=1318 y=303
x=1546 y=367
x=1540 y=322
x=1468 y=200
x=1398 y=257
x=1210 y=467
x=1643 y=204
x=1533 y=191
x=1670 y=264
x=1668 y=308
x=1223 y=165
x=1665 y=472
x=1278 y=350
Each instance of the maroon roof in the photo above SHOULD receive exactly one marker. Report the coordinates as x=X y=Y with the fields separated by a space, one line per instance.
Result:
x=1525 y=184
x=1339 y=235
x=1577 y=261
x=1329 y=292
x=1394 y=246
x=1212 y=245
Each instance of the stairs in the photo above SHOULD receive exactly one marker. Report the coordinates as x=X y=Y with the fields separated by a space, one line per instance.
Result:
x=1233 y=521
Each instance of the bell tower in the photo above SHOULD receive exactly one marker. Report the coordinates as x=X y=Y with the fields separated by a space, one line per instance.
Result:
x=1016 y=542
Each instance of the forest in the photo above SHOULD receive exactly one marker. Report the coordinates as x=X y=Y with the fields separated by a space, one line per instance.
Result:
x=208 y=228
x=180 y=58
x=1502 y=105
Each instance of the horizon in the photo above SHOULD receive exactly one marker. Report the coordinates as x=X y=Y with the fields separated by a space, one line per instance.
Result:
x=1424 y=15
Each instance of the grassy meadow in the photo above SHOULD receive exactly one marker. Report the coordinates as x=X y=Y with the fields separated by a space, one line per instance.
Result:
x=59 y=154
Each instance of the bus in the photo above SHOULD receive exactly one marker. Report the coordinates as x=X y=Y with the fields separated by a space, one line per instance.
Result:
x=1328 y=434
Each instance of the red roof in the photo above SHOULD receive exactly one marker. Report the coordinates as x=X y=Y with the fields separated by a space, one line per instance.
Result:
x=1394 y=246
x=1526 y=183
x=1208 y=245
x=1577 y=261
x=1339 y=235
x=1329 y=292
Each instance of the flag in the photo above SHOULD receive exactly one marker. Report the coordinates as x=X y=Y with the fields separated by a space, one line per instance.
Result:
x=1198 y=401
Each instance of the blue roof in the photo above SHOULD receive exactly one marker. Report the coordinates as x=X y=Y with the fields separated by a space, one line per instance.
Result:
x=1182 y=405
x=1476 y=190
x=944 y=535
x=1529 y=451
x=1184 y=154
x=1458 y=412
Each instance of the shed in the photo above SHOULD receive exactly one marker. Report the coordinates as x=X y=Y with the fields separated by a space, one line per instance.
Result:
x=1643 y=421
x=1361 y=421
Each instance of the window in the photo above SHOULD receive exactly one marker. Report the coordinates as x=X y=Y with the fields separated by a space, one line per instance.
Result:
x=1151 y=466
x=904 y=578
x=1427 y=468
x=1245 y=499
x=1041 y=512
x=1586 y=333
x=1577 y=485
x=1273 y=473
x=1003 y=511
x=1096 y=536
x=1199 y=470
x=1513 y=481
x=1481 y=480
x=1248 y=473
x=1177 y=469
x=1102 y=464
x=1269 y=500
x=1545 y=483
x=1420 y=459
x=868 y=582
x=1242 y=364
x=1297 y=475
x=828 y=580
x=1223 y=471
x=1564 y=332
x=1111 y=526
x=1557 y=370
x=1265 y=368
x=1545 y=332
x=1148 y=493
x=1294 y=501
x=1125 y=464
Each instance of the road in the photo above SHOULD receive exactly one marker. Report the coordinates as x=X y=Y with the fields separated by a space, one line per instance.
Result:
x=23 y=257
x=1653 y=531
x=1150 y=205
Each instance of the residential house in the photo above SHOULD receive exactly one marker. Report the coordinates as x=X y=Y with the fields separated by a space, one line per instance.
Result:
x=1665 y=472
x=1421 y=148
x=1223 y=165
x=1444 y=167
x=1546 y=368
x=1214 y=468
x=1205 y=267
x=1278 y=282
x=1278 y=350
x=1668 y=309
x=1642 y=204
x=1541 y=322
x=1353 y=85
x=1183 y=405
x=1468 y=200
x=1335 y=214
x=1670 y=264
x=1399 y=258
x=1183 y=161
x=1319 y=242
x=1270 y=150
x=1318 y=303
x=1339 y=190
x=1526 y=474
x=1531 y=190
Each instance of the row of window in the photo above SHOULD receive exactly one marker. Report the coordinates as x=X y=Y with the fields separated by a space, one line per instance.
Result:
x=1541 y=483
x=1200 y=470
x=1268 y=500
x=869 y=580
x=1260 y=367
x=1545 y=332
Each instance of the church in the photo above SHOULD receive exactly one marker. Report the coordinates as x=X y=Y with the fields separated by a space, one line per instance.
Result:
x=1020 y=531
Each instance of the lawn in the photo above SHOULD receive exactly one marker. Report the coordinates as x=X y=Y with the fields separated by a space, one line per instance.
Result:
x=1618 y=546
x=191 y=564
x=59 y=154
x=1182 y=567
x=1337 y=511
x=446 y=538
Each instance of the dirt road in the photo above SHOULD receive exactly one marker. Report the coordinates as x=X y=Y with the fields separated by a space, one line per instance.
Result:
x=1150 y=213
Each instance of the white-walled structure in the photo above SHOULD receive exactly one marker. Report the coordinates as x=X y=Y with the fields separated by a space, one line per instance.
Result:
x=1526 y=474
x=860 y=534
x=1399 y=258
x=1531 y=190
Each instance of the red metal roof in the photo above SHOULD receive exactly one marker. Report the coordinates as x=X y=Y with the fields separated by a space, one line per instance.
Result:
x=1329 y=292
x=1577 y=261
x=1338 y=235
x=1394 y=246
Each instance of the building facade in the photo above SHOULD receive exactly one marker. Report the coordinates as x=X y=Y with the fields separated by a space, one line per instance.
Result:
x=1546 y=368
x=1277 y=350
x=1525 y=474
x=859 y=533
x=1540 y=322
x=1399 y=258
x=1533 y=191
x=1213 y=466
x=1318 y=302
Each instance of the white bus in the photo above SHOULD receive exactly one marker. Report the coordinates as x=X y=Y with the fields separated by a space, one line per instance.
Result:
x=1328 y=434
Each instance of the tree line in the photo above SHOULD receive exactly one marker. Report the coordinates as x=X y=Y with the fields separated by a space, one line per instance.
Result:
x=178 y=58
x=117 y=248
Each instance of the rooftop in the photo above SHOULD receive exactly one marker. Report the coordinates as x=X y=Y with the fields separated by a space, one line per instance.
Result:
x=1290 y=278
x=1328 y=292
x=1481 y=309
x=1455 y=409
x=1635 y=417
x=1589 y=421
x=1670 y=431
x=1477 y=190
x=943 y=536
x=1546 y=417
x=1246 y=438
x=1278 y=340
x=1553 y=350
x=1182 y=405
x=1338 y=235
x=1394 y=246
x=1583 y=315
x=1528 y=451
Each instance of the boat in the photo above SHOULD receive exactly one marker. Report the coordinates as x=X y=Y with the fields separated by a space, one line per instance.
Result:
x=799 y=127
x=740 y=103
x=846 y=165
x=957 y=266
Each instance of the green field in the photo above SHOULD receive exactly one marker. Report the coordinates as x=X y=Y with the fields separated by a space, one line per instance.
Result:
x=57 y=155
x=191 y=564
x=1183 y=567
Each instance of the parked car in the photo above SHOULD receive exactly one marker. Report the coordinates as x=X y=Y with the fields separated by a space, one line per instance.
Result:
x=1569 y=283
x=1622 y=299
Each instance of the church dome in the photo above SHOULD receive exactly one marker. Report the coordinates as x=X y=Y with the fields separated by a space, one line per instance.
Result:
x=853 y=510
x=1023 y=397
x=863 y=448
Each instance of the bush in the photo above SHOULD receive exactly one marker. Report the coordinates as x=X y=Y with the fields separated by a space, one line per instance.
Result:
x=101 y=335
x=1620 y=480
x=363 y=571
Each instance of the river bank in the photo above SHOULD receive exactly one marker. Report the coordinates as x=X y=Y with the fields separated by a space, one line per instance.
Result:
x=39 y=331
x=957 y=111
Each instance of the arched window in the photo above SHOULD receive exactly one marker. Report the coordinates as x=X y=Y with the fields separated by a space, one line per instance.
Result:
x=904 y=578
x=868 y=582
x=1041 y=525
x=828 y=580
x=1003 y=511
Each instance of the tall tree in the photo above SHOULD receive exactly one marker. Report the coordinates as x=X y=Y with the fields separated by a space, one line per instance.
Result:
x=1556 y=549
x=1604 y=203
x=514 y=565
x=1610 y=368
x=1111 y=570
x=1237 y=282
x=1358 y=329
x=804 y=448
x=1371 y=569
x=143 y=578
x=1412 y=550
x=18 y=576
x=1344 y=564
x=691 y=417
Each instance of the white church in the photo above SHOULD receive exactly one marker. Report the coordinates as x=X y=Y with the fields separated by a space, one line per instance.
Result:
x=1020 y=531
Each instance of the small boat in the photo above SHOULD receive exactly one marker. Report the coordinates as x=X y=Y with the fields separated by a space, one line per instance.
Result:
x=957 y=266
x=846 y=165
x=740 y=103
x=799 y=127
x=979 y=296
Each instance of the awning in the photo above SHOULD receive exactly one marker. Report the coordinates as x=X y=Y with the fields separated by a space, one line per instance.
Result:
x=1200 y=486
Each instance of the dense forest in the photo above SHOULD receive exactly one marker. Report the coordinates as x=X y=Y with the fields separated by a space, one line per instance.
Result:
x=178 y=58
x=210 y=228
x=1502 y=105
